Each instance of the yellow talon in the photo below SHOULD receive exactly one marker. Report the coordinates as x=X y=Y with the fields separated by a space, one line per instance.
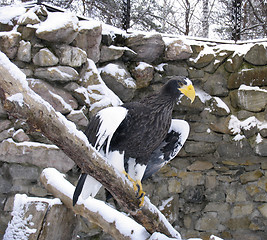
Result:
x=137 y=186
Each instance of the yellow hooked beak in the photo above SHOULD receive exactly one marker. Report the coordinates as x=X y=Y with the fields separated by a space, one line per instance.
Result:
x=189 y=91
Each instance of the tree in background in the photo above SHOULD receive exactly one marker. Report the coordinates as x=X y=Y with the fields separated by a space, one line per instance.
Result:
x=224 y=19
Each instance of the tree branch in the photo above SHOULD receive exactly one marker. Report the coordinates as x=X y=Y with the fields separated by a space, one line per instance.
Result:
x=21 y=102
x=92 y=209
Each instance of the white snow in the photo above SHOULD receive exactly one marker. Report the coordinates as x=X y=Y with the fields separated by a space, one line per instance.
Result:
x=142 y=66
x=15 y=72
x=87 y=25
x=18 y=228
x=17 y=97
x=165 y=203
x=114 y=70
x=250 y=88
x=31 y=144
x=203 y=96
x=160 y=67
x=236 y=126
x=221 y=104
x=62 y=101
x=56 y=20
x=172 y=231
x=100 y=92
x=125 y=225
x=30 y=15
x=207 y=50
x=8 y=13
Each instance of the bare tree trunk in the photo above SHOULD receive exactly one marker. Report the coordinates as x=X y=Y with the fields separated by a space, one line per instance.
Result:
x=21 y=102
x=187 y=16
x=126 y=14
x=236 y=19
x=205 y=19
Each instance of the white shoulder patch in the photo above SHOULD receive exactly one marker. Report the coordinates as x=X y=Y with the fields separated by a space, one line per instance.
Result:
x=182 y=127
x=110 y=119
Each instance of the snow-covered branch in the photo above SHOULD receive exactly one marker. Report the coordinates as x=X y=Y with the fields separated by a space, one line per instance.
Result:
x=21 y=102
x=111 y=221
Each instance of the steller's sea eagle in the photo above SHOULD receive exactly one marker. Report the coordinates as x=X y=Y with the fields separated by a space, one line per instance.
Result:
x=138 y=138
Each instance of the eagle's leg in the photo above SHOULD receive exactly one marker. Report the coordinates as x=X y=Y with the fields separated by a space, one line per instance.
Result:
x=140 y=193
x=137 y=186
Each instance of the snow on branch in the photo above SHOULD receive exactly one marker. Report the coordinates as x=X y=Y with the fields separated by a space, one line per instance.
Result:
x=21 y=102
x=110 y=220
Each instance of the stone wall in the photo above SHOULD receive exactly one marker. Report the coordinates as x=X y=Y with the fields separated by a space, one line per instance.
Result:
x=218 y=182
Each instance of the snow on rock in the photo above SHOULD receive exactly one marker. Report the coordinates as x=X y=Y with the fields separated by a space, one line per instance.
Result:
x=94 y=91
x=124 y=224
x=250 y=88
x=237 y=127
x=22 y=226
x=59 y=27
x=8 y=13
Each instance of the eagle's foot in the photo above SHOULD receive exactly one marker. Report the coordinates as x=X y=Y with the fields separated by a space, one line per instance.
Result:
x=140 y=193
x=133 y=182
x=137 y=186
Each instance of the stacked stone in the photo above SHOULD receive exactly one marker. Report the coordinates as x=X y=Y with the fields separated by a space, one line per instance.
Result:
x=217 y=183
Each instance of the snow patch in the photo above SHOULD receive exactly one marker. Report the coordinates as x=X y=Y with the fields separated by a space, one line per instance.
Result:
x=17 y=97
x=165 y=203
x=124 y=224
x=10 y=12
x=221 y=104
x=249 y=88
x=142 y=66
x=17 y=228
x=236 y=126
x=56 y=20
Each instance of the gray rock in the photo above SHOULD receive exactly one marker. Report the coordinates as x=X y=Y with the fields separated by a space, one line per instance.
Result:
x=177 y=50
x=253 y=99
x=70 y=56
x=45 y=58
x=65 y=32
x=199 y=148
x=18 y=172
x=5 y=185
x=41 y=155
x=235 y=149
x=218 y=107
x=20 y=136
x=220 y=57
x=24 y=51
x=61 y=100
x=261 y=148
x=216 y=85
x=208 y=222
x=9 y=43
x=111 y=53
x=78 y=117
x=202 y=60
x=233 y=63
x=148 y=48
x=250 y=77
x=5 y=124
x=257 y=55
x=142 y=73
x=119 y=80
x=3 y=113
x=175 y=70
x=29 y=18
x=61 y=74
x=67 y=229
x=89 y=38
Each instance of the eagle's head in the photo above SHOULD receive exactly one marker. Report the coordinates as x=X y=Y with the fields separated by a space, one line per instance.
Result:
x=179 y=85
